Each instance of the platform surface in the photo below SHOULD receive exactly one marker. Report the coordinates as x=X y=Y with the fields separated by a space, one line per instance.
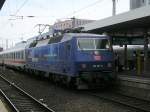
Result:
x=139 y=79
x=2 y=107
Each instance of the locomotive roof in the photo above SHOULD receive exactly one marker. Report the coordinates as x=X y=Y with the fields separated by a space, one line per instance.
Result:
x=69 y=36
x=83 y=34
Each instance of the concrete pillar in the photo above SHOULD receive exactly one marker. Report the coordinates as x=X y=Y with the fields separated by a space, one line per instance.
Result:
x=125 y=57
x=147 y=2
x=146 y=52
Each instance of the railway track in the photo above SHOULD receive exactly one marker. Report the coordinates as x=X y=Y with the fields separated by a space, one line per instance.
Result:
x=19 y=100
x=139 y=105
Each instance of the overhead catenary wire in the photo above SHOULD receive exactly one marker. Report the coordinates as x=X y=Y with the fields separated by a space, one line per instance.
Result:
x=22 y=5
x=83 y=8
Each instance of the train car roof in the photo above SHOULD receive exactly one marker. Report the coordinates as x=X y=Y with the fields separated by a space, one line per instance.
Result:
x=17 y=47
x=42 y=42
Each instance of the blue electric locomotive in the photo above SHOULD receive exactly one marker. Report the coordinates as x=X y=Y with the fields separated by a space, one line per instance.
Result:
x=74 y=58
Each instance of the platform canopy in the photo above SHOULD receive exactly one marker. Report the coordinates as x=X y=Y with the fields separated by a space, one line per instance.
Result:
x=131 y=22
x=1 y=3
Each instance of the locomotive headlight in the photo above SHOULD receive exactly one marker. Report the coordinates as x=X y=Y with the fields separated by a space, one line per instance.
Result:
x=96 y=52
x=109 y=65
x=94 y=66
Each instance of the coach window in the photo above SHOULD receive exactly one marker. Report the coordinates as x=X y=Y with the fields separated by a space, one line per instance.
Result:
x=22 y=55
x=13 y=55
x=19 y=55
x=16 y=55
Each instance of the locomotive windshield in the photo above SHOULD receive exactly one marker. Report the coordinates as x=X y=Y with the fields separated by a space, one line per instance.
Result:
x=93 y=44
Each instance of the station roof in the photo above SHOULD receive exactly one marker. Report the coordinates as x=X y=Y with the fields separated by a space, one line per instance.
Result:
x=137 y=18
x=1 y=3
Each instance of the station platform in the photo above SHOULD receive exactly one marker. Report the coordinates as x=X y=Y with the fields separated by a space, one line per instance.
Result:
x=3 y=107
x=132 y=85
x=135 y=81
x=133 y=73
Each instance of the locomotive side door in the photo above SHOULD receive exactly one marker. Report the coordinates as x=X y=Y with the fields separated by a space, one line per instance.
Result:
x=67 y=56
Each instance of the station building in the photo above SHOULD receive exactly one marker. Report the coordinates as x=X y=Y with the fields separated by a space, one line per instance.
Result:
x=71 y=23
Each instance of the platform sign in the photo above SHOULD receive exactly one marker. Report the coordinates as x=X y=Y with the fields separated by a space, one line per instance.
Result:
x=120 y=41
x=128 y=40
x=137 y=41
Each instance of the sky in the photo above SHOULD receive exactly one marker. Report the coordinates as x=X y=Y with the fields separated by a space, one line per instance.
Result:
x=16 y=23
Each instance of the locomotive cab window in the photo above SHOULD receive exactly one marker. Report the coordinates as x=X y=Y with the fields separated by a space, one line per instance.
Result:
x=93 y=44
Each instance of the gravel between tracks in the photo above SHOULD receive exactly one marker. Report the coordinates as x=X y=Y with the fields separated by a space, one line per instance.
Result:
x=61 y=99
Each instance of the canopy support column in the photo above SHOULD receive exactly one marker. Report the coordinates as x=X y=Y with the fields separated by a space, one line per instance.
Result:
x=146 y=52
x=125 y=56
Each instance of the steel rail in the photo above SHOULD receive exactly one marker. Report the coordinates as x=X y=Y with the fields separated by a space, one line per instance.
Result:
x=11 y=105
x=119 y=102
x=45 y=108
